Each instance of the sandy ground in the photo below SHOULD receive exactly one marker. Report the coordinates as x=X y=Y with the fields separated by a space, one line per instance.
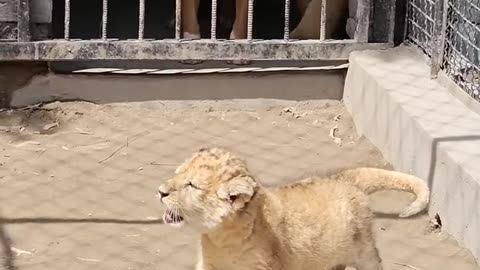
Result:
x=78 y=181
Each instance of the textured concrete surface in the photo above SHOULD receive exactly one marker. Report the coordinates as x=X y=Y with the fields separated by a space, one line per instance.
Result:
x=101 y=89
x=421 y=128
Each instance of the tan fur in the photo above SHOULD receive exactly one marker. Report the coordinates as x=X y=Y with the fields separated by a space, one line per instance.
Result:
x=309 y=25
x=320 y=223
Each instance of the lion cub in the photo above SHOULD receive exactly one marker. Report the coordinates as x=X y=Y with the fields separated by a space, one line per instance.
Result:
x=317 y=223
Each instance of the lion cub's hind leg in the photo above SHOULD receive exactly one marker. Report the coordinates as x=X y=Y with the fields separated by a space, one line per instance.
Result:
x=367 y=257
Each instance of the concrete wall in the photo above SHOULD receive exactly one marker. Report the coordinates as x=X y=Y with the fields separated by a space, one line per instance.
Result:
x=307 y=85
x=422 y=129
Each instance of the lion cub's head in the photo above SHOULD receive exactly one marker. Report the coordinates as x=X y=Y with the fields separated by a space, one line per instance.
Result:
x=209 y=186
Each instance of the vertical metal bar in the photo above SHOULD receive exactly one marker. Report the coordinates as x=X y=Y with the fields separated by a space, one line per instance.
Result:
x=250 y=21
x=141 y=20
x=364 y=8
x=178 y=19
x=286 y=33
x=104 y=19
x=66 y=33
x=323 y=19
x=213 y=29
x=438 y=37
x=23 y=20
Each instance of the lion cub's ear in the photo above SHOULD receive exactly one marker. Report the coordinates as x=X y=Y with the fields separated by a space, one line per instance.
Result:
x=238 y=190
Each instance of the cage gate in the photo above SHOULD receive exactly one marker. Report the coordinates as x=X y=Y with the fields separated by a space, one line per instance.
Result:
x=106 y=47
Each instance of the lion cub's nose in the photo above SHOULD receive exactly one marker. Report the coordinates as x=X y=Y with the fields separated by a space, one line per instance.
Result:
x=162 y=192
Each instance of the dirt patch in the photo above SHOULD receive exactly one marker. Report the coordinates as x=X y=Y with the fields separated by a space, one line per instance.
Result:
x=78 y=180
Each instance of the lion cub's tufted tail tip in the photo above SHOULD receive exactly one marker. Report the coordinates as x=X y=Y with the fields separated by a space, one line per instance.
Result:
x=371 y=180
x=414 y=208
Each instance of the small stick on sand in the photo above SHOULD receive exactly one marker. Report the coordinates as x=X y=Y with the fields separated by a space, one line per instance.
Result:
x=87 y=260
x=20 y=251
x=114 y=152
x=406 y=265
x=83 y=132
x=121 y=147
x=55 y=124
x=163 y=164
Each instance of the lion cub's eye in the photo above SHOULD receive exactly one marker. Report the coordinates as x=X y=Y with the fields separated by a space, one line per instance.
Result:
x=189 y=184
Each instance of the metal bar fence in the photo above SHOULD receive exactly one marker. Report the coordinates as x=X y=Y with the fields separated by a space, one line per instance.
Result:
x=66 y=35
x=286 y=25
x=323 y=19
x=178 y=19
x=104 y=19
x=141 y=20
x=251 y=48
x=449 y=32
x=361 y=35
x=213 y=30
x=250 y=21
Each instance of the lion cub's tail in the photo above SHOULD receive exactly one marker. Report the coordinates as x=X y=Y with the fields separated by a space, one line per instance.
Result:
x=371 y=180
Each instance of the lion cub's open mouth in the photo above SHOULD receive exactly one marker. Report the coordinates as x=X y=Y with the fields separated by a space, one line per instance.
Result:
x=172 y=216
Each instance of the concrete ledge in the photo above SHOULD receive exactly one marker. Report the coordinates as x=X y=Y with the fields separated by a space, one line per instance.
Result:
x=102 y=89
x=422 y=129
x=61 y=50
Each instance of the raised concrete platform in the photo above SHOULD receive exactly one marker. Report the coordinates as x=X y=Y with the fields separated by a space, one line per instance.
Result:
x=422 y=129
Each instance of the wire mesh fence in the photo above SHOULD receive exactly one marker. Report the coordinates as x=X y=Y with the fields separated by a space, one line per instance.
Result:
x=449 y=32
x=462 y=46
x=420 y=22
x=78 y=181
